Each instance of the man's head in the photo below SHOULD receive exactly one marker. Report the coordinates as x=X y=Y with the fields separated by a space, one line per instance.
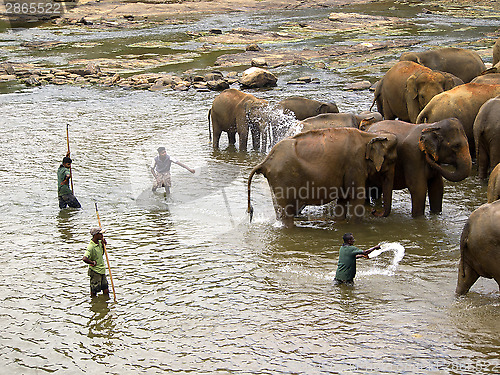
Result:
x=67 y=161
x=96 y=233
x=162 y=152
x=348 y=238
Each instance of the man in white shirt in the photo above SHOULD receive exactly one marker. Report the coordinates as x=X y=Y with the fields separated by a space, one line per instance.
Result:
x=160 y=168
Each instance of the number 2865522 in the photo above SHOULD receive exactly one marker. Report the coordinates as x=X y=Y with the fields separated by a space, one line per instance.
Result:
x=32 y=8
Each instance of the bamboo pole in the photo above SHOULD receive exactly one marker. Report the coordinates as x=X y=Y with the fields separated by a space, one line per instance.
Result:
x=68 y=155
x=106 y=252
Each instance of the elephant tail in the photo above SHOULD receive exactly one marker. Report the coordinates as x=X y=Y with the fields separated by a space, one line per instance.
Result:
x=209 y=130
x=463 y=246
x=256 y=170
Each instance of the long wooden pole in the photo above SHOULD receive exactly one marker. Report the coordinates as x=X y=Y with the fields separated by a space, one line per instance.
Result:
x=106 y=252
x=69 y=152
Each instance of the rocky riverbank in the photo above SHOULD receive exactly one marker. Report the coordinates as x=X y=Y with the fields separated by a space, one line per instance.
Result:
x=133 y=71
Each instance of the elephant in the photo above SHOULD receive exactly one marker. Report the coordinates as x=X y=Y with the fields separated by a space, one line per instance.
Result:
x=234 y=111
x=421 y=151
x=496 y=52
x=486 y=131
x=407 y=87
x=480 y=247
x=336 y=120
x=303 y=108
x=464 y=64
x=321 y=166
x=488 y=78
x=494 y=185
x=462 y=102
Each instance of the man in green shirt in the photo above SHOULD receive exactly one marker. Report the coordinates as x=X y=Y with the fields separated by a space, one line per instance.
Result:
x=64 y=192
x=346 y=268
x=93 y=257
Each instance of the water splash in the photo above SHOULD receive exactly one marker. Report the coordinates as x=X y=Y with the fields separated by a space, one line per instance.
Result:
x=398 y=254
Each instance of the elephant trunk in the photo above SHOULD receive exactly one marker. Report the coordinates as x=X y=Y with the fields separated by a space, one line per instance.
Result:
x=387 y=194
x=462 y=166
x=257 y=169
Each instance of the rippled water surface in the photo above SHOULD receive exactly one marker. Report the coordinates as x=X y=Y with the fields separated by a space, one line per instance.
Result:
x=198 y=288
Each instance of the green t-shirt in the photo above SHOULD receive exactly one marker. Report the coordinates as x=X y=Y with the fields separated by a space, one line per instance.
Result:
x=94 y=252
x=62 y=172
x=346 y=269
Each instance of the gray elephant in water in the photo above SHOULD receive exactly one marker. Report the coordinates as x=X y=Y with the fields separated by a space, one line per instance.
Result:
x=479 y=247
x=340 y=120
x=494 y=185
x=303 y=108
x=236 y=112
x=422 y=152
x=486 y=130
x=464 y=64
x=462 y=102
x=407 y=87
x=496 y=52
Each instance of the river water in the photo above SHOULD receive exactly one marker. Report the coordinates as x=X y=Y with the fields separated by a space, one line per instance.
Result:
x=199 y=289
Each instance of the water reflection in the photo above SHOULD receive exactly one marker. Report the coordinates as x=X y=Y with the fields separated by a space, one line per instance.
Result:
x=101 y=323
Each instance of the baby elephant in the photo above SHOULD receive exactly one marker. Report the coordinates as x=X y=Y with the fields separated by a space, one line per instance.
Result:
x=480 y=247
x=494 y=185
x=303 y=108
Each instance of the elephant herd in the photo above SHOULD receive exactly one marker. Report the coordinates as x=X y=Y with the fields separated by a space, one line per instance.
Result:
x=435 y=108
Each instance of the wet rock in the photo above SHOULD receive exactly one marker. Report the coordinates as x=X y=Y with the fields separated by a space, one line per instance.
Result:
x=253 y=47
x=32 y=81
x=304 y=79
x=362 y=85
x=8 y=68
x=257 y=77
x=7 y=77
x=258 y=62
x=219 y=85
x=213 y=76
x=215 y=31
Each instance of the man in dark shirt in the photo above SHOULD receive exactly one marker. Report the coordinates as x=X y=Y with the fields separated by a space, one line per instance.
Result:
x=346 y=269
x=64 y=192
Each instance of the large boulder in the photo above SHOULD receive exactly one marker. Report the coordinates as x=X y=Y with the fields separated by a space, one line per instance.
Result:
x=257 y=77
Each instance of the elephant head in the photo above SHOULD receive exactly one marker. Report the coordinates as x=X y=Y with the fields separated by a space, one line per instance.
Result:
x=382 y=154
x=422 y=86
x=257 y=117
x=445 y=142
x=327 y=108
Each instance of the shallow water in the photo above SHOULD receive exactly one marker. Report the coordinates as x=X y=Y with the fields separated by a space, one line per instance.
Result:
x=199 y=288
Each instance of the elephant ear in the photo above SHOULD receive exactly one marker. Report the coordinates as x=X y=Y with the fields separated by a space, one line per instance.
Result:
x=411 y=87
x=376 y=151
x=429 y=142
x=323 y=108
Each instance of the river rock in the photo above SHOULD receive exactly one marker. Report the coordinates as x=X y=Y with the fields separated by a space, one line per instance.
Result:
x=213 y=76
x=258 y=62
x=253 y=47
x=219 y=85
x=7 y=77
x=257 y=77
x=362 y=85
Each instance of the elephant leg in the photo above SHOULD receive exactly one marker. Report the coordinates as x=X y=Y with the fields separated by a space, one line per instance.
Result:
x=264 y=140
x=467 y=276
x=243 y=135
x=231 y=135
x=216 y=132
x=388 y=113
x=483 y=160
x=255 y=138
x=286 y=212
x=418 y=194
x=435 y=191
